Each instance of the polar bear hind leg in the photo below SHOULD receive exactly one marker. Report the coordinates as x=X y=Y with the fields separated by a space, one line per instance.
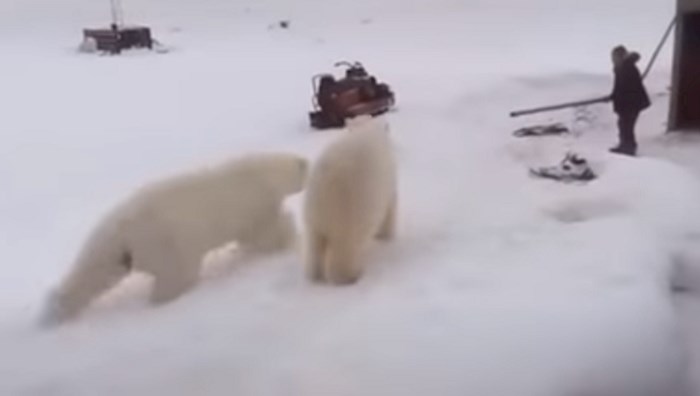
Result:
x=99 y=269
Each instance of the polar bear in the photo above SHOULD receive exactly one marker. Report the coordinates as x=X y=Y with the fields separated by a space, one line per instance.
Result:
x=165 y=229
x=351 y=198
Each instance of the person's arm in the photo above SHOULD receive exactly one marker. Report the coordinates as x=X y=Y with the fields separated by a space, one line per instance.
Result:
x=616 y=88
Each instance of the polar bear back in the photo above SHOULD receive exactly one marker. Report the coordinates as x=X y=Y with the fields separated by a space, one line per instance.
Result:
x=352 y=182
x=213 y=205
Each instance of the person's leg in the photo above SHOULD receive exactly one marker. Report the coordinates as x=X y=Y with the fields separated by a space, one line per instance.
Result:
x=620 y=130
x=628 y=142
x=627 y=124
x=630 y=121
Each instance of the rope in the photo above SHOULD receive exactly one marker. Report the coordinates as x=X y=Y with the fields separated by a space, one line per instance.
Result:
x=661 y=44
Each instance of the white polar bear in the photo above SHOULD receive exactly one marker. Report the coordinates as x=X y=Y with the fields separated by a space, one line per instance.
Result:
x=167 y=227
x=351 y=198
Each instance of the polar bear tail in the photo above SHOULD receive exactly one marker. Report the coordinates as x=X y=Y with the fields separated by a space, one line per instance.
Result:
x=103 y=262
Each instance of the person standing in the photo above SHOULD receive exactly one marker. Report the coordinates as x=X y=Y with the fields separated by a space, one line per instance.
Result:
x=629 y=98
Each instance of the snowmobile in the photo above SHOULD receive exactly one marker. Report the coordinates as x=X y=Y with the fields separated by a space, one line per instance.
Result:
x=357 y=93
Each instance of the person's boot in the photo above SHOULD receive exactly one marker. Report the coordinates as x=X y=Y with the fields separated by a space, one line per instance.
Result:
x=625 y=149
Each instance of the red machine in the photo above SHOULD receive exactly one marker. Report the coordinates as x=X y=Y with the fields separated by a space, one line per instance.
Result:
x=357 y=93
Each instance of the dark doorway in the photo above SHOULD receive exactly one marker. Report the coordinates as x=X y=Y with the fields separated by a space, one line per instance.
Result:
x=688 y=109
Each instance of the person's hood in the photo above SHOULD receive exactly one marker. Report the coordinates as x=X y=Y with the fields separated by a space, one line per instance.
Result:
x=632 y=57
x=630 y=60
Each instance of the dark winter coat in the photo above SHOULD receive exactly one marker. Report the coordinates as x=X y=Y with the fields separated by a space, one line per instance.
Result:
x=629 y=94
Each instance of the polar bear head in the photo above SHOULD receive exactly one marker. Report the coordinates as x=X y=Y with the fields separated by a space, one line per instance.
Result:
x=284 y=173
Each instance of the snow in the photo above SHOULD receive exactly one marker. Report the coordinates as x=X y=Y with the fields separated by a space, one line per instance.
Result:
x=498 y=284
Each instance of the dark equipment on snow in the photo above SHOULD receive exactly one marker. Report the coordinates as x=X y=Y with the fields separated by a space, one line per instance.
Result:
x=357 y=93
x=117 y=37
x=542 y=130
x=573 y=168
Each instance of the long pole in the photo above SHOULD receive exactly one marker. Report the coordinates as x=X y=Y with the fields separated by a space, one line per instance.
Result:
x=560 y=106
x=661 y=45
x=117 y=13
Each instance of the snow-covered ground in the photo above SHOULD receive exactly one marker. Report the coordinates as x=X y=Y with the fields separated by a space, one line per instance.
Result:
x=499 y=284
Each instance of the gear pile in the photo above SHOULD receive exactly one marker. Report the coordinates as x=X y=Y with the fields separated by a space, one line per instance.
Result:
x=542 y=130
x=571 y=169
